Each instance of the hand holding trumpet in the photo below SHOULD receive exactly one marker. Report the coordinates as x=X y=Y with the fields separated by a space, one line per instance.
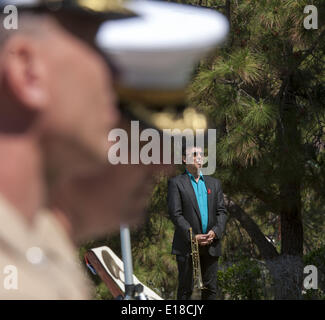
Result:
x=205 y=239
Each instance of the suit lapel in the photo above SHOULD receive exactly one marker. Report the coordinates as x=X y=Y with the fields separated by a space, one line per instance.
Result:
x=187 y=184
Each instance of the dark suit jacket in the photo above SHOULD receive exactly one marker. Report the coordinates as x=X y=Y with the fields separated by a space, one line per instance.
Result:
x=184 y=212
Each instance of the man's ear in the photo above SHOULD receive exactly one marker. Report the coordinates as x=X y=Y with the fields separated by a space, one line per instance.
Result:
x=25 y=72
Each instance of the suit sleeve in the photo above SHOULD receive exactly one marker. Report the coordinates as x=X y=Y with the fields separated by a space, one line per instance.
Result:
x=221 y=213
x=175 y=210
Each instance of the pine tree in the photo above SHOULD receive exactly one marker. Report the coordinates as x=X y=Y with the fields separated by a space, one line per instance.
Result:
x=264 y=91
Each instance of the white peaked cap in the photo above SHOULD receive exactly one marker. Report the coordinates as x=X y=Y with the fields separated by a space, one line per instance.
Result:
x=159 y=48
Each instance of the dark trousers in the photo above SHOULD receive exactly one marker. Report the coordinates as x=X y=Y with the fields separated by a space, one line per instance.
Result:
x=209 y=268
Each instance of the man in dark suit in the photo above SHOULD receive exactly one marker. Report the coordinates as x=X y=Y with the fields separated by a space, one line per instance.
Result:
x=196 y=201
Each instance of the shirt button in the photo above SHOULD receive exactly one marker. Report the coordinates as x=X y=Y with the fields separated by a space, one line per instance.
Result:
x=35 y=255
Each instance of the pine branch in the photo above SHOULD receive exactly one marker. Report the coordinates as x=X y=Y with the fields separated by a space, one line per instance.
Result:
x=317 y=42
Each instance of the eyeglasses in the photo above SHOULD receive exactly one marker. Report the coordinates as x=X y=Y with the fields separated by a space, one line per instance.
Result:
x=196 y=154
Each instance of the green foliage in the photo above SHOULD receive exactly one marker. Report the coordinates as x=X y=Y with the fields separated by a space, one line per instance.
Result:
x=316 y=258
x=153 y=263
x=314 y=294
x=313 y=217
x=102 y=292
x=241 y=281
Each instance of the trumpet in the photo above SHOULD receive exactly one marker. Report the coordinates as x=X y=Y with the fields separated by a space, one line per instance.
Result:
x=197 y=275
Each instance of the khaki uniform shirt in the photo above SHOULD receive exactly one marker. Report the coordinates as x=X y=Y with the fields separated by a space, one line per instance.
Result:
x=38 y=261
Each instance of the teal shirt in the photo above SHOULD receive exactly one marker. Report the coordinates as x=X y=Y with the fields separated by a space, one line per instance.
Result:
x=202 y=199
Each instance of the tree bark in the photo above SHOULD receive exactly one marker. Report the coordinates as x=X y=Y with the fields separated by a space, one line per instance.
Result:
x=291 y=223
x=286 y=269
x=287 y=273
x=288 y=279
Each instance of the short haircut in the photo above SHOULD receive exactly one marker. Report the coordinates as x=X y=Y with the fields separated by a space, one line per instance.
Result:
x=29 y=23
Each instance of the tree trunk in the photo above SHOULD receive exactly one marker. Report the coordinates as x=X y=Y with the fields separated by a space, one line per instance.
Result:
x=287 y=275
x=286 y=269
x=291 y=221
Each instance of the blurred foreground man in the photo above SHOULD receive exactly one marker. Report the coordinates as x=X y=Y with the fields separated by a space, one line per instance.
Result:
x=57 y=103
x=57 y=107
